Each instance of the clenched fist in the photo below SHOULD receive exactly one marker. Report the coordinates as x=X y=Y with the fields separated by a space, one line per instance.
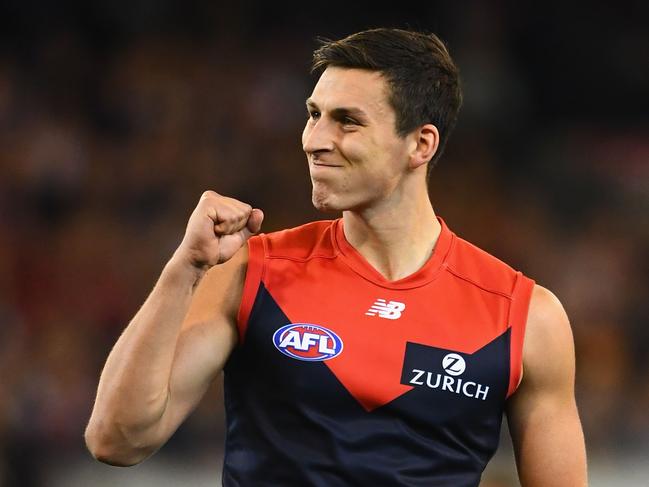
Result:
x=217 y=228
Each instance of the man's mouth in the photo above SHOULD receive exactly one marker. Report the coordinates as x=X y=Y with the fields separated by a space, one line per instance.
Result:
x=325 y=164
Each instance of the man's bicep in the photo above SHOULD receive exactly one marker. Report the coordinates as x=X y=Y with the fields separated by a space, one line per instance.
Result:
x=542 y=414
x=208 y=336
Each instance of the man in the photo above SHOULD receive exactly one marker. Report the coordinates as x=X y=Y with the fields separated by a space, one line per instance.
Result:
x=376 y=349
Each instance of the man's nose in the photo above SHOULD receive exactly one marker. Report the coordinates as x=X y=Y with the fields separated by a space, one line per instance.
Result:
x=318 y=136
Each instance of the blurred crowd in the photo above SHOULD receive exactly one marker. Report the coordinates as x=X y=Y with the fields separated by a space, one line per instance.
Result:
x=107 y=142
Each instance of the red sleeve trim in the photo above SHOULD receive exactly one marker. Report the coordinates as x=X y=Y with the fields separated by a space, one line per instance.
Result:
x=254 y=272
x=517 y=321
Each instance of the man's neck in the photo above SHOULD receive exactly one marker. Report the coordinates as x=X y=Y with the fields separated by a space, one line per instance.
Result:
x=396 y=240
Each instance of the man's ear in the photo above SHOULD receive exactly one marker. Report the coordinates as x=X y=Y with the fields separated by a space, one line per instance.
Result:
x=424 y=146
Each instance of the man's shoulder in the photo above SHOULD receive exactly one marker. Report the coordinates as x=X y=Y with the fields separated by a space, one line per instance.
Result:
x=473 y=264
x=313 y=239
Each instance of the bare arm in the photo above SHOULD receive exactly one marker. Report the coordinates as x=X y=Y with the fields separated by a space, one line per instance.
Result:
x=179 y=340
x=542 y=414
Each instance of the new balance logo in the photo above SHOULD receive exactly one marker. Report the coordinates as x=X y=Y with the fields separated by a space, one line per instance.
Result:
x=386 y=309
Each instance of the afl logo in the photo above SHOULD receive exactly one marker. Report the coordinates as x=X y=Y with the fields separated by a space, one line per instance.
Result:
x=303 y=341
x=453 y=364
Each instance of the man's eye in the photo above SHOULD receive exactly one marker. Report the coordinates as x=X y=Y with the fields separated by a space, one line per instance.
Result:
x=314 y=115
x=349 y=121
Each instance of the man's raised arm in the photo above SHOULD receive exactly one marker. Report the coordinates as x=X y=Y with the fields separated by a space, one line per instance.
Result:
x=179 y=340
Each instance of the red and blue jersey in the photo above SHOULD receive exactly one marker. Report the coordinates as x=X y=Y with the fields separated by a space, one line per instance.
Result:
x=342 y=377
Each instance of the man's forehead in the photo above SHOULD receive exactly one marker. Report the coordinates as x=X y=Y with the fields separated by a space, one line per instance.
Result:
x=360 y=88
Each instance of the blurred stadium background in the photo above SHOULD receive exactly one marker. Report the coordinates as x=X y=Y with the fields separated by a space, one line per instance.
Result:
x=115 y=116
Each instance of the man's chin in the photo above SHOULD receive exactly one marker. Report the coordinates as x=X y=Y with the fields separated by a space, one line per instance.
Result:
x=324 y=205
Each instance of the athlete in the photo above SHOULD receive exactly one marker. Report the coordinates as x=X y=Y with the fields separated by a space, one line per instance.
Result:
x=374 y=349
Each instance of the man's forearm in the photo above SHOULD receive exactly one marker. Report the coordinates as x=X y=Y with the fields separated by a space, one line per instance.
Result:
x=133 y=388
x=156 y=372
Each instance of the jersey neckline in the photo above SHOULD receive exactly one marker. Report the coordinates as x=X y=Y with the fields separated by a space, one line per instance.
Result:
x=427 y=273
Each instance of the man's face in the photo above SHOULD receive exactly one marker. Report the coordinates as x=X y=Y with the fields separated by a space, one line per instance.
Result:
x=356 y=159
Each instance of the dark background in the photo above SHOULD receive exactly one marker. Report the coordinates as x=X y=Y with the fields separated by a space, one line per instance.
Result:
x=115 y=116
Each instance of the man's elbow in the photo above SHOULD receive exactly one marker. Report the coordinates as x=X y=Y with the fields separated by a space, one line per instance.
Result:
x=112 y=449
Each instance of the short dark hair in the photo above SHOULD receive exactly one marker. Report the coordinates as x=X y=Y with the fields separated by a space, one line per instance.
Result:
x=424 y=80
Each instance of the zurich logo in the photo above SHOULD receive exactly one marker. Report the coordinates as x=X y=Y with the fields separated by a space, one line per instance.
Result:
x=453 y=364
x=303 y=341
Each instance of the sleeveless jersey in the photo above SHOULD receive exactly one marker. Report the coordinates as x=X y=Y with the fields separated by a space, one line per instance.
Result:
x=344 y=378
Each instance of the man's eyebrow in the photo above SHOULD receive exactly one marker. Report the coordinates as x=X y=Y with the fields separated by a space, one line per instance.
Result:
x=341 y=111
